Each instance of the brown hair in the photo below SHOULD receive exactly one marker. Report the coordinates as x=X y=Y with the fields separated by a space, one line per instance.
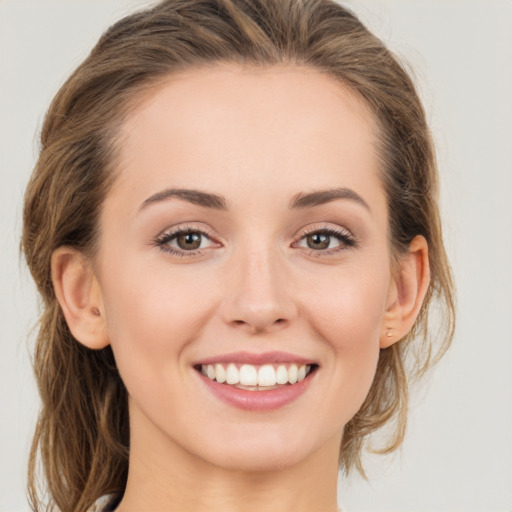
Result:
x=82 y=434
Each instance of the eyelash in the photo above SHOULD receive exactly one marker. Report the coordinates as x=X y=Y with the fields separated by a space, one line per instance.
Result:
x=163 y=240
x=346 y=239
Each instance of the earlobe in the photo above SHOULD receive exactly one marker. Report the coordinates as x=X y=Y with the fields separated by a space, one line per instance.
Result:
x=407 y=293
x=79 y=296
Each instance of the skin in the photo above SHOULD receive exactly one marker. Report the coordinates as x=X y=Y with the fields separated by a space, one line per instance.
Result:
x=258 y=137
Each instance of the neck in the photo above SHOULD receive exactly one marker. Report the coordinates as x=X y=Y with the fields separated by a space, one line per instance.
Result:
x=165 y=477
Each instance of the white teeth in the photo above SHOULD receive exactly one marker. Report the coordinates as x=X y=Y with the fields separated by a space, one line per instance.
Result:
x=232 y=375
x=220 y=373
x=292 y=374
x=282 y=374
x=249 y=375
x=267 y=375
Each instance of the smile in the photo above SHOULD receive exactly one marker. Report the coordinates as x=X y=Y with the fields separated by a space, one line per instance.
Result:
x=257 y=382
x=256 y=377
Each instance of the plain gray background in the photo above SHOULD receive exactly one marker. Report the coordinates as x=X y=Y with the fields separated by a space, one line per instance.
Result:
x=457 y=456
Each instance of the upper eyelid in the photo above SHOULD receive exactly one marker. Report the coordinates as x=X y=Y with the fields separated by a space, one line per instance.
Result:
x=325 y=227
x=172 y=231
x=332 y=231
x=208 y=233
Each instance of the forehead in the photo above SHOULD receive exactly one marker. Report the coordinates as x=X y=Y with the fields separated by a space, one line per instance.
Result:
x=282 y=127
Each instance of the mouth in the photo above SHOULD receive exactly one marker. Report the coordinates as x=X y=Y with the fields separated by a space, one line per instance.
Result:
x=257 y=382
x=257 y=377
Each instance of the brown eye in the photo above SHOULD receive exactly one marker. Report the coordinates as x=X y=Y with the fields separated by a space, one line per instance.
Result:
x=327 y=241
x=186 y=242
x=189 y=241
x=318 y=241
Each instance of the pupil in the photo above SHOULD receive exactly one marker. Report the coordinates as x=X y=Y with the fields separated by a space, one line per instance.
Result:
x=318 y=241
x=189 y=241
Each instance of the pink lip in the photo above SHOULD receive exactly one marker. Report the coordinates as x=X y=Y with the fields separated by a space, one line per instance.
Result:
x=257 y=400
x=256 y=359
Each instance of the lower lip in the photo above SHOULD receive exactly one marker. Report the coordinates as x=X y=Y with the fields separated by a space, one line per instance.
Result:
x=257 y=400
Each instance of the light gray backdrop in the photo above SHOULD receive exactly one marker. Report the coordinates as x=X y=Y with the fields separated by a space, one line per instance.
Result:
x=458 y=453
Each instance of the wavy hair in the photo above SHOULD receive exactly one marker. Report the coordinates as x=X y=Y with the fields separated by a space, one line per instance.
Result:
x=82 y=436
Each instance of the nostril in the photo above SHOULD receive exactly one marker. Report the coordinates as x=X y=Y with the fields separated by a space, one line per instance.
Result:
x=259 y=325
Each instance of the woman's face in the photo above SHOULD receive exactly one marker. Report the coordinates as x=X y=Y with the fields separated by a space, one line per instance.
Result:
x=246 y=236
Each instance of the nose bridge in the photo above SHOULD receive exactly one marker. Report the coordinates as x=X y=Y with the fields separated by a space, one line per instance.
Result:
x=258 y=298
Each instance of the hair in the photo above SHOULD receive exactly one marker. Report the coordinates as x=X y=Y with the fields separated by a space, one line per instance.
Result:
x=82 y=435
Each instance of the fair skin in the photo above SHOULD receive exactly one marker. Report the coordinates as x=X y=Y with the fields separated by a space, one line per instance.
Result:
x=257 y=274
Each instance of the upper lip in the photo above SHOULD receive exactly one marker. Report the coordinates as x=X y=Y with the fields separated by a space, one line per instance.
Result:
x=256 y=359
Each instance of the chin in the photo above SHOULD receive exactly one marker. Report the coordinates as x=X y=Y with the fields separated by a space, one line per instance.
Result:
x=259 y=453
x=250 y=462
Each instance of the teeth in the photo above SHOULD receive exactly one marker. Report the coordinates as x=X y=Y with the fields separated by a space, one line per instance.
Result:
x=292 y=374
x=249 y=375
x=282 y=374
x=232 y=375
x=266 y=375
x=220 y=373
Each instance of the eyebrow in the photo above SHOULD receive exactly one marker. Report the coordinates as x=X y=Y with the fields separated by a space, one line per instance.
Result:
x=218 y=202
x=320 y=197
x=197 y=197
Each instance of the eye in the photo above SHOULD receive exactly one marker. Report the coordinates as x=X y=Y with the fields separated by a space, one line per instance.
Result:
x=185 y=241
x=327 y=240
x=189 y=241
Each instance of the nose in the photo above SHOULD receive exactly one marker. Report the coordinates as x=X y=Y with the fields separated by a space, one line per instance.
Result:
x=258 y=297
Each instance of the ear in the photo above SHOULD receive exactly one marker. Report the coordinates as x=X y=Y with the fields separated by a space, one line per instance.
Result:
x=79 y=296
x=406 y=293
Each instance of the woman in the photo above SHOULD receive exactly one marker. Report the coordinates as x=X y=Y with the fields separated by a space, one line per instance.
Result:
x=233 y=225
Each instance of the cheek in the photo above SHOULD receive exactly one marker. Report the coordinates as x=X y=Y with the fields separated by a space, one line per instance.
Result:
x=153 y=314
x=152 y=318
x=349 y=321
x=350 y=315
